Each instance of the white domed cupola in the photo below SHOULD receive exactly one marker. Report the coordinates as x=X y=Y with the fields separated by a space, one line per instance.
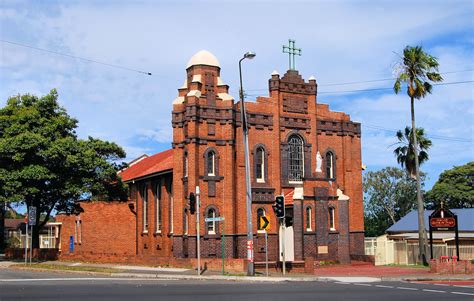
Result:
x=203 y=57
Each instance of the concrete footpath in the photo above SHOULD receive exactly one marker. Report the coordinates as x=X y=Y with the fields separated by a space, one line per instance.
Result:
x=356 y=272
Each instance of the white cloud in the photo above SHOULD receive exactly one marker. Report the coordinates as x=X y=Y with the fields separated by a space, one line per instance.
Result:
x=342 y=41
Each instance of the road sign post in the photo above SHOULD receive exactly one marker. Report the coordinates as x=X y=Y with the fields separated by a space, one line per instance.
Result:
x=26 y=240
x=223 y=248
x=265 y=225
x=198 y=238
x=266 y=252
x=31 y=223
x=219 y=219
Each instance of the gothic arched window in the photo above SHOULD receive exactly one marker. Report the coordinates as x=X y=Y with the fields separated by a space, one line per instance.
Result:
x=330 y=164
x=308 y=219
x=211 y=163
x=295 y=158
x=211 y=226
x=260 y=165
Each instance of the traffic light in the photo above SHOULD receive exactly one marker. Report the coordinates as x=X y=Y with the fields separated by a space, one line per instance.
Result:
x=280 y=206
x=192 y=203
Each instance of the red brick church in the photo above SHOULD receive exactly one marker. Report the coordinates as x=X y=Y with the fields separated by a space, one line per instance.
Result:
x=297 y=147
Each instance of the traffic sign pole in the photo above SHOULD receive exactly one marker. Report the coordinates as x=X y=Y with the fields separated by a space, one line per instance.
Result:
x=31 y=245
x=223 y=248
x=198 y=205
x=26 y=241
x=266 y=252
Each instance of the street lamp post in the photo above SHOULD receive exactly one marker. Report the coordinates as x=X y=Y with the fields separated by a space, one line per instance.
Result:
x=250 y=267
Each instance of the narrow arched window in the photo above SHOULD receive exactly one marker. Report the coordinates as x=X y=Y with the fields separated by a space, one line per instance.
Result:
x=332 y=222
x=211 y=163
x=295 y=159
x=158 y=207
x=260 y=165
x=211 y=226
x=330 y=160
x=308 y=219
x=185 y=172
x=260 y=213
x=144 y=195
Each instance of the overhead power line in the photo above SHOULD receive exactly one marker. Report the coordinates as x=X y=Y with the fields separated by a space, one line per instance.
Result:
x=391 y=88
x=438 y=137
x=366 y=81
x=76 y=57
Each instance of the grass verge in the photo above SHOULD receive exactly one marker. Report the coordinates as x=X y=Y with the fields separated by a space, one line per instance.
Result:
x=57 y=267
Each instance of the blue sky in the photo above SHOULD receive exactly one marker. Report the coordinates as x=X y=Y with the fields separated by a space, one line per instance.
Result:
x=341 y=41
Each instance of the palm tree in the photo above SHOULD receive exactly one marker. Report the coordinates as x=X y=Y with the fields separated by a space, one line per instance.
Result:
x=416 y=70
x=404 y=151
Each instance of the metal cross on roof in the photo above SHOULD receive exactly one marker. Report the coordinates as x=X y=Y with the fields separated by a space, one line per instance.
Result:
x=292 y=51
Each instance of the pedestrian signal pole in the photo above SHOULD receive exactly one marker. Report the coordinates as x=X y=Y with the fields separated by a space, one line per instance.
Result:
x=280 y=214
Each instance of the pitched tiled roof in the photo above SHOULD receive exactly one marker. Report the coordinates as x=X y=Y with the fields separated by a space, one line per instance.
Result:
x=409 y=223
x=148 y=166
x=13 y=223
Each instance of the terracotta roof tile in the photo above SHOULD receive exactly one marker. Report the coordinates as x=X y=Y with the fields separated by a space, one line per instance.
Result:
x=13 y=223
x=148 y=166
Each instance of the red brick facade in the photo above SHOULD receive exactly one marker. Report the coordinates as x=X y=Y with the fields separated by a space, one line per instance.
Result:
x=205 y=119
x=298 y=148
x=104 y=229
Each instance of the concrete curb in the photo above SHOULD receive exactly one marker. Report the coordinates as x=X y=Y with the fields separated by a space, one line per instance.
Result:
x=248 y=278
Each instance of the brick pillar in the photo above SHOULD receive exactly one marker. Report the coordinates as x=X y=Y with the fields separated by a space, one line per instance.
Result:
x=343 y=242
x=298 y=228
x=321 y=211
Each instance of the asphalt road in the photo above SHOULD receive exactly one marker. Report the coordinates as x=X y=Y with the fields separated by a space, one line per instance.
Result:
x=22 y=285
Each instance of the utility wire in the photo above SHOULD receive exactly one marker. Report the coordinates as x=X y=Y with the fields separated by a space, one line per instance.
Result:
x=438 y=137
x=76 y=57
x=367 y=81
x=380 y=89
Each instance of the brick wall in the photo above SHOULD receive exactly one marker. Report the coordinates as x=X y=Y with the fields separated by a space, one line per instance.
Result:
x=106 y=229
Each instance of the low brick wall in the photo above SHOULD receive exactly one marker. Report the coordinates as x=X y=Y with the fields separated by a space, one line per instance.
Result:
x=364 y=258
x=459 y=267
x=38 y=254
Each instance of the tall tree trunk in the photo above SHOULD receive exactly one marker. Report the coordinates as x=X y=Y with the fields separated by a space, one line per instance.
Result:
x=421 y=209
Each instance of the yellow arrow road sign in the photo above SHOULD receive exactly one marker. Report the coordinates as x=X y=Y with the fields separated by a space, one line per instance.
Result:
x=265 y=223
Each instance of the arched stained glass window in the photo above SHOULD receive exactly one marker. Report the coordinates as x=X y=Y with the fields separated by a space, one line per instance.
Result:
x=295 y=159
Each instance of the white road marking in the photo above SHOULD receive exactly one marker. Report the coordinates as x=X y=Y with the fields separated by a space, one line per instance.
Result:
x=407 y=288
x=354 y=279
x=384 y=286
x=433 y=291
x=342 y=282
x=362 y=284
x=79 y=279
x=158 y=269
x=459 y=293
x=440 y=284
x=466 y=286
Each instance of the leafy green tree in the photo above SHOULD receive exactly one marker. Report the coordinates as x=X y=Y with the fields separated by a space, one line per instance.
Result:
x=389 y=194
x=417 y=70
x=44 y=164
x=455 y=187
x=404 y=151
